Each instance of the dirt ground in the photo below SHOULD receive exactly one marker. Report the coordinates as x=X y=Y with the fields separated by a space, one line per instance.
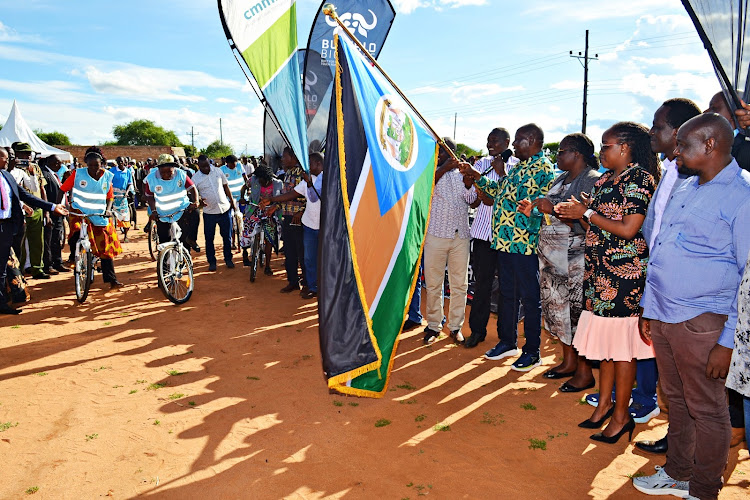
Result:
x=128 y=395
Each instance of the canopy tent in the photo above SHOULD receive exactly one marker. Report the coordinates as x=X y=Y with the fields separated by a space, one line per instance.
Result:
x=16 y=129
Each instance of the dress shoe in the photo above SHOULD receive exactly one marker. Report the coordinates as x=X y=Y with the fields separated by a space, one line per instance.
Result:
x=629 y=428
x=552 y=374
x=567 y=387
x=230 y=264
x=61 y=268
x=309 y=294
x=52 y=271
x=195 y=248
x=115 y=284
x=658 y=447
x=473 y=340
x=40 y=276
x=5 y=309
x=268 y=271
x=409 y=324
x=591 y=424
x=289 y=288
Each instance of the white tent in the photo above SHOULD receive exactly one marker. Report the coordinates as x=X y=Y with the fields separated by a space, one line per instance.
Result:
x=16 y=129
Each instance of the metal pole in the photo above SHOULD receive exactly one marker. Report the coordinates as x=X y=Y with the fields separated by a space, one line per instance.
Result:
x=455 y=119
x=221 y=134
x=585 y=82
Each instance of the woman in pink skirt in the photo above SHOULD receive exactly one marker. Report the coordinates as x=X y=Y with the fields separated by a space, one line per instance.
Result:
x=616 y=257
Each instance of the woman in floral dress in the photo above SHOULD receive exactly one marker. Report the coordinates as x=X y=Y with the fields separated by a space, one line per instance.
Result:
x=616 y=257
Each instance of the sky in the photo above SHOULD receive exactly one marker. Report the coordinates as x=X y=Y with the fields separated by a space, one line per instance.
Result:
x=83 y=66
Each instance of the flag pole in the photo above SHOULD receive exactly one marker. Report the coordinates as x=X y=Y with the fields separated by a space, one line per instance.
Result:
x=330 y=11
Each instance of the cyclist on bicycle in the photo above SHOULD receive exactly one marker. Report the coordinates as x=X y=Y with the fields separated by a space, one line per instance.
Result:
x=263 y=186
x=122 y=185
x=169 y=192
x=93 y=194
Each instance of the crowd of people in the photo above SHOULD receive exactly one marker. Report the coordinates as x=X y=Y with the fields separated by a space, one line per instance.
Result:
x=634 y=259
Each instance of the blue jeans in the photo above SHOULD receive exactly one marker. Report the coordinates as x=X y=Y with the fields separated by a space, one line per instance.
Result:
x=415 y=307
x=519 y=284
x=646 y=377
x=747 y=419
x=310 y=240
x=209 y=231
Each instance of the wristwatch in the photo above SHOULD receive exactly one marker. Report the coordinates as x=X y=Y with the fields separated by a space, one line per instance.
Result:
x=587 y=215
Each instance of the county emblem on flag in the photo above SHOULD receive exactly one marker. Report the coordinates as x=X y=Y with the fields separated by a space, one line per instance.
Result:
x=380 y=170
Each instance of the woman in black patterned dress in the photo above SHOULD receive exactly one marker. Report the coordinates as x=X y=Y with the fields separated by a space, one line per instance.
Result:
x=616 y=258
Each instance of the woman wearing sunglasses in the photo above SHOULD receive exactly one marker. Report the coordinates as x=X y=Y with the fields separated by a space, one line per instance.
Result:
x=616 y=256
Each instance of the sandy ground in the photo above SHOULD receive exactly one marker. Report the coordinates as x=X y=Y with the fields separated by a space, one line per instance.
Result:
x=129 y=395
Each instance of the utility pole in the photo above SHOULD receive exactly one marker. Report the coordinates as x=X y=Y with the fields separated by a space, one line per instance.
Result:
x=192 y=135
x=585 y=63
x=221 y=134
x=455 y=119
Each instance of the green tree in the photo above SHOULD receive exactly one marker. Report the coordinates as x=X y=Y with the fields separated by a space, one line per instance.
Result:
x=217 y=150
x=53 y=138
x=144 y=133
x=190 y=150
x=553 y=147
x=463 y=149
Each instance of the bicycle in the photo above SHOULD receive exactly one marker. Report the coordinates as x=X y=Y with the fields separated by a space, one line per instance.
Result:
x=174 y=266
x=153 y=241
x=85 y=262
x=258 y=239
x=236 y=230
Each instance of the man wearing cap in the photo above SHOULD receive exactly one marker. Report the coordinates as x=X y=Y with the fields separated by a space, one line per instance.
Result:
x=236 y=178
x=169 y=191
x=35 y=222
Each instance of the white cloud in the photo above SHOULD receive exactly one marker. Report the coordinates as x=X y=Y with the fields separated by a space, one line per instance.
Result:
x=8 y=34
x=409 y=6
x=224 y=100
x=585 y=10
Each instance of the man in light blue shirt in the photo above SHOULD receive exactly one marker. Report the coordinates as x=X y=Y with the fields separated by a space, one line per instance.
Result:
x=690 y=305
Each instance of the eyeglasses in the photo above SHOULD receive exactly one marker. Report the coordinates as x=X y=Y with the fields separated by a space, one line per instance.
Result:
x=604 y=147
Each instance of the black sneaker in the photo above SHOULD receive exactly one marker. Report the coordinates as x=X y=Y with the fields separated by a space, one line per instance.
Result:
x=458 y=337
x=409 y=325
x=430 y=336
x=473 y=340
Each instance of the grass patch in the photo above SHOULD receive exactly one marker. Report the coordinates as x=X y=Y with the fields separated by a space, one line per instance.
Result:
x=406 y=386
x=338 y=403
x=489 y=419
x=91 y=437
x=156 y=385
x=382 y=422
x=157 y=422
x=537 y=444
x=16 y=327
x=528 y=406
x=354 y=404
x=107 y=323
x=636 y=474
x=408 y=402
x=420 y=417
x=191 y=403
x=102 y=368
x=41 y=374
x=116 y=386
x=133 y=391
x=442 y=427
x=307 y=356
x=175 y=373
x=4 y=426
x=140 y=381
x=176 y=395
x=32 y=490
x=252 y=378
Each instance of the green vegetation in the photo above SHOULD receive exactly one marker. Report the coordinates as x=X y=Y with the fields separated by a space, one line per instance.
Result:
x=4 y=426
x=216 y=150
x=91 y=437
x=353 y=404
x=420 y=417
x=463 y=149
x=176 y=395
x=156 y=385
x=157 y=422
x=537 y=444
x=490 y=419
x=442 y=427
x=528 y=406
x=252 y=378
x=382 y=422
x=143 y=133
x=53 y=138
x=338 y=403
x=32 y=490
x=406 y=386
x=175 y=373
x=133 y=391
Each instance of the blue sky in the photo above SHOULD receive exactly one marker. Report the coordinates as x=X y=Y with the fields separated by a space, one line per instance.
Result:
x=82 y=66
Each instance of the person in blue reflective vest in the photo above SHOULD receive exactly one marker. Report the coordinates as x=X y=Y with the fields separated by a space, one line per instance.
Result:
x=92 y=193
x=236 y=178
x=169 y=192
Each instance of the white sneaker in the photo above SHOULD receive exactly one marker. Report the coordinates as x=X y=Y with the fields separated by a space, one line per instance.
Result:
x=661 y=484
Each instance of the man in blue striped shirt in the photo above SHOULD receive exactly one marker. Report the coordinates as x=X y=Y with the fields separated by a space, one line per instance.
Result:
x=690 y=305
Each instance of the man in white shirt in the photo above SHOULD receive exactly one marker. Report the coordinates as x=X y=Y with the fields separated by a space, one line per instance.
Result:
x=217 y=203
x=484 y=263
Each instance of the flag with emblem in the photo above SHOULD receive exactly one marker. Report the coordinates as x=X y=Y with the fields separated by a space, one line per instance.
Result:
x=379 y=175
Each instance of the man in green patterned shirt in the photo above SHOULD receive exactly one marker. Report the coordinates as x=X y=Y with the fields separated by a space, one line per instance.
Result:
x=516 y=238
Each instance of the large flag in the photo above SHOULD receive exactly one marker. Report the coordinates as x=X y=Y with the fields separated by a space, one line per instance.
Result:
x=368 y=20
x=380 y=170
x=265 y=33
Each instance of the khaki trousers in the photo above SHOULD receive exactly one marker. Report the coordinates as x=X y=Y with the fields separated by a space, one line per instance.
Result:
x=439 y=253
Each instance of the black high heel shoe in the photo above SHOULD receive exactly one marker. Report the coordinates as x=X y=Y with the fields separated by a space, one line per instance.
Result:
x=629 y=427
x=589 y=424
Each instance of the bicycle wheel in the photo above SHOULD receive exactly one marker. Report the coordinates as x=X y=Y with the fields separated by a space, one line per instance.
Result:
x=254 y=257
x=83 y=272
x=153 y=241
x=174 y=270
